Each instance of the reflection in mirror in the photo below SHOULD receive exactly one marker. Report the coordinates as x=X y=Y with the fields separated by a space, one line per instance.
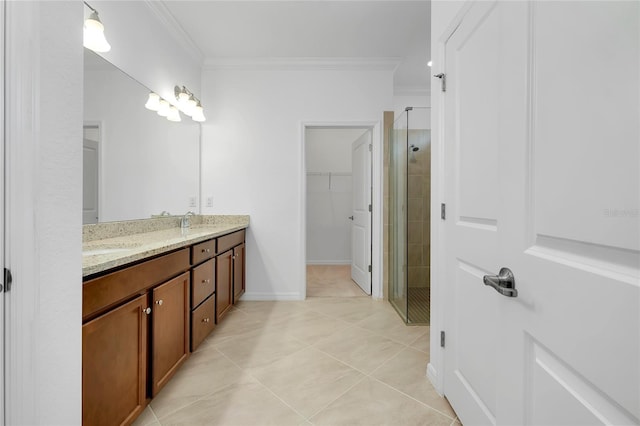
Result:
x=136 y=163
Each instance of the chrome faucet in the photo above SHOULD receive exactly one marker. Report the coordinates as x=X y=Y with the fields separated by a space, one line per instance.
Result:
x=185 y=222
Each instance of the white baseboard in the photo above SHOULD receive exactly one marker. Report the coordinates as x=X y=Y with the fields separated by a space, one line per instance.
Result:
x=328 y=262
x=432 y=375
x=251 y=297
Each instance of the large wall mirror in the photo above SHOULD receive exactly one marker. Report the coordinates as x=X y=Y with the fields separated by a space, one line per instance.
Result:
x=136 y=163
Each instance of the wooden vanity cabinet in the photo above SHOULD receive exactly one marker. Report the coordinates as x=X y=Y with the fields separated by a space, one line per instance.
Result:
x=114 y=365
x=238 y=272
x=224 y=284
x=170 y=329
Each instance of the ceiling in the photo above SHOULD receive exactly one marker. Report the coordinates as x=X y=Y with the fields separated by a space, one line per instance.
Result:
x=303 y=29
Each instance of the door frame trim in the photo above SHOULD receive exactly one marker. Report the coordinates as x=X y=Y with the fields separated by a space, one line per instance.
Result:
x=376 y=201
x=435 y=368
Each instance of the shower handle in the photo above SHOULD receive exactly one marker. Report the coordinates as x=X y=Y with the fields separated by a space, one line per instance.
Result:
x=504 y=283
x=351 y=217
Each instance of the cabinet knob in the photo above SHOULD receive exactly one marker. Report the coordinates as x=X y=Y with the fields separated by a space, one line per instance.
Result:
x=206 y=281
x=159 y=302
x=205 y=319
x=147 y=311
x=233 y=257
x=206 y=250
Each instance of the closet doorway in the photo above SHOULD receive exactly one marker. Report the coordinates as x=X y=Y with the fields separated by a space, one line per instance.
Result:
x=338 y=216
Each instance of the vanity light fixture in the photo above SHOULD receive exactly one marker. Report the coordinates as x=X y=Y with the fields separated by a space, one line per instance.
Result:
x=189 y=104
x=198 y=113
x=93 y=37
x=174 y=114
x=153 y=103
x=164 y=109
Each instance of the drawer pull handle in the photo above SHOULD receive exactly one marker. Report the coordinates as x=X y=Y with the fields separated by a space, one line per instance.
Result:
x=159 y=302
x=147 y=311
x=205 y=319
x=206 y=250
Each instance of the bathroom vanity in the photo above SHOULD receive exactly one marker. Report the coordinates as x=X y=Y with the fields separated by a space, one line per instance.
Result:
x=150 y=298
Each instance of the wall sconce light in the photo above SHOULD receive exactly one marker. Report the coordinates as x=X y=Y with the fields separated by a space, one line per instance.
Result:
x=153 y=103
x=163 y=110
x=186 y=102
x=189 y=104
x=174 y=114
x=93 y=37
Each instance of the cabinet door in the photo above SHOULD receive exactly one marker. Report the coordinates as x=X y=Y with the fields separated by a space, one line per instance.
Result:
x=170 y=338
x=238 y=272
x=114 y=365
x=224 y=283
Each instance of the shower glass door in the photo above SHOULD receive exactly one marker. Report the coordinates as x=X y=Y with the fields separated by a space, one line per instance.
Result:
x=409 y=215
x=398 y=215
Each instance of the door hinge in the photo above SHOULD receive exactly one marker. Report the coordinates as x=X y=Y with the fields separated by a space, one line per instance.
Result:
x=8 y=279
x=370 y=148
x=369 y=207
x=369 y=268
x=442 y=339
x=443 y=81
x=443 y=211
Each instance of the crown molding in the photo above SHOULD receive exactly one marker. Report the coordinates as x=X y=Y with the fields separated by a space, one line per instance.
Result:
x=340 y=64
x=169 y=22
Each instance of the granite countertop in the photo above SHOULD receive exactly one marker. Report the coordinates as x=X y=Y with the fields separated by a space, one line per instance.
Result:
x=107 y=246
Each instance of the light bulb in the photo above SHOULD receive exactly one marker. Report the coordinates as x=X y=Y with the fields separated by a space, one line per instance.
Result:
x=430 y=63
x=174 y=114
x=164 y=109
x=94 y=38
x=153 y=103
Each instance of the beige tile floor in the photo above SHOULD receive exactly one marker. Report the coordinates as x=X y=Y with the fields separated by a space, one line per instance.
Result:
x=331 y=281
x=324 y=361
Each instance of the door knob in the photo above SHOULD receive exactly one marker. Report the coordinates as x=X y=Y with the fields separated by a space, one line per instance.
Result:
x=504 y=283
x=351 y=217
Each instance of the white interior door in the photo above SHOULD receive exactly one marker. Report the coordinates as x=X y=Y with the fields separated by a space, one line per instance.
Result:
x=2 y=216
x=90 y=176
x=361 y=229
x=542 y=159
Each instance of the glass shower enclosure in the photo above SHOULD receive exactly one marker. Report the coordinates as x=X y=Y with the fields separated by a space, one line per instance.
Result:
x=409 y=215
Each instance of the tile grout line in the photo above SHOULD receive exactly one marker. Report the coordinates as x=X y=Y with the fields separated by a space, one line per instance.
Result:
x=411 y=397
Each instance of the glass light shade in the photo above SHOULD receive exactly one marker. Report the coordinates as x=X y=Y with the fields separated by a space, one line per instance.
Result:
x=174 y=114
x=164 y=109
x=153 y=103
x=189 y=106
x=94 y=38
x=430 y=63
x=198 y=114
x=183 y=98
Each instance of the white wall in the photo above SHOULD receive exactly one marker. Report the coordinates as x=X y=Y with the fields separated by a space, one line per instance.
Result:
x=329 y=194
x=329 y=149
x=149 y=164
x=252 y=159
x=147 y=47
x=44 y=200
x=442 y=16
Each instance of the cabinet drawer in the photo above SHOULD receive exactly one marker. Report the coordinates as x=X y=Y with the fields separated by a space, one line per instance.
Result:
x=101 y=293
x=202 y=282
x=202 y=321
x=203 y=251
x=231 y=240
